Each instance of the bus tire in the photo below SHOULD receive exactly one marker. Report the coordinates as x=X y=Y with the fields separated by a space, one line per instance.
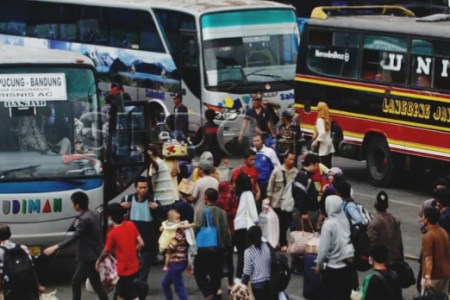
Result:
x=380 y=162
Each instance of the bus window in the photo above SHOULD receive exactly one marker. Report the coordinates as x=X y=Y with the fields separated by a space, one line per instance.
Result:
x=140 y=34
x=171 y=24
x=384 y=59
x=333 y=53
x=93 y=25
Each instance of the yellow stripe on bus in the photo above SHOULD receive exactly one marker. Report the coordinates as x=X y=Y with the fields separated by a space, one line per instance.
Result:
x=386 y=120
x=344 y=85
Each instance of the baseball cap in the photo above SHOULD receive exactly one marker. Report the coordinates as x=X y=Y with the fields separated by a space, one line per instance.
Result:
x=205 y=165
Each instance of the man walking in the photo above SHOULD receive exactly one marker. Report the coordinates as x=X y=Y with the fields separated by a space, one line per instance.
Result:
x=384 y=229
x=209 y=261
x=248 y=167
x=88 y=235
x=304 y=189
x=266 y=161
x=275 y=189
x=435 y=254
x=141 y=213
x=200 y=186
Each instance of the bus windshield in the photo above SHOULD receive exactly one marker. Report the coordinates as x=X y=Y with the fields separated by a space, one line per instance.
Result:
x=48 y=124
x=248 y=47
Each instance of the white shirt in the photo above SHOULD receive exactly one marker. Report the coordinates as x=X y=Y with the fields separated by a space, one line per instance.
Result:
x=200 y=186
x=246 y=211
x=324 y=137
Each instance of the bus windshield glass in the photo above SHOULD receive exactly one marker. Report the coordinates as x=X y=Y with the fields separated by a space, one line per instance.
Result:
x=49 y=125
x=247 y=47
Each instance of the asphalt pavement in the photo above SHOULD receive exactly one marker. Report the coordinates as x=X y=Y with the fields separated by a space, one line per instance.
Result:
x=405 y=200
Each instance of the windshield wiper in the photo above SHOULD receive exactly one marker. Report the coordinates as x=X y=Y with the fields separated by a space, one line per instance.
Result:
x=3 y=174
x=281 y=79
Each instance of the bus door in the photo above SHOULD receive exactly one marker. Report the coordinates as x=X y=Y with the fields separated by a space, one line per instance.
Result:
x=127 y=134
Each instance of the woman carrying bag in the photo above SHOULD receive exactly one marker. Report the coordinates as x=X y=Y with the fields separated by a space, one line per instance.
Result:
x=246 y=216
x=322 y=143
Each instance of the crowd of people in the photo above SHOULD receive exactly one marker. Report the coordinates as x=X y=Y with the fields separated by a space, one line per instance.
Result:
x=248 y=212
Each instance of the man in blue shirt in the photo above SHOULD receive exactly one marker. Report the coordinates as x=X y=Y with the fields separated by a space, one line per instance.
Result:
x=140 y=211
x=266 y=161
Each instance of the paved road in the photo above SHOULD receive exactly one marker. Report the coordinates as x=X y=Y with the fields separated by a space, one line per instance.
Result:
x=405 y=201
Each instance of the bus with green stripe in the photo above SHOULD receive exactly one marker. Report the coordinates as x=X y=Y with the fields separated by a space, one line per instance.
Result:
x=217 y=53
x=385 y=78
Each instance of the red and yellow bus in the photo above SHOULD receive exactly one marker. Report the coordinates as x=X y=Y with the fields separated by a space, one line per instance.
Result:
x=386 y=81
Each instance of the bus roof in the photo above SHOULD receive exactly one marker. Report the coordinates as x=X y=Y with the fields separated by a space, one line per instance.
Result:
x=26 y=55
x=387 y=24
x=190 y=6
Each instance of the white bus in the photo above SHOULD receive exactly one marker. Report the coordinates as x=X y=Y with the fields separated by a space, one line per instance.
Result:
x=218 y=53
x=49 y=146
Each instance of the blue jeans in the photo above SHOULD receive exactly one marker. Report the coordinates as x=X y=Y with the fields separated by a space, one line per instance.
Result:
x=175 y=276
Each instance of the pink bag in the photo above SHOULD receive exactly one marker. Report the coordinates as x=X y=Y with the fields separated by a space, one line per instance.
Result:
x=299 y=240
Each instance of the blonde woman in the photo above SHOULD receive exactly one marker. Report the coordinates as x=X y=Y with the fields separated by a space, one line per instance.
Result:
x=322 y=142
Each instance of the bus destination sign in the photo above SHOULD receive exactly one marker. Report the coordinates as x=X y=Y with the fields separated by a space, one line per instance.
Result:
x=25 y=90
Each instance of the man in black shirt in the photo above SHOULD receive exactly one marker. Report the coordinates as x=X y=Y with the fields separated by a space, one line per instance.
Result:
x=206 y=136
x=260 y=118
x=181 y=118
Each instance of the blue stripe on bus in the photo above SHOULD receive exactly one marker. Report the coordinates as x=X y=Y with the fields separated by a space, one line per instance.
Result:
x=47 y=186
x=248 y=18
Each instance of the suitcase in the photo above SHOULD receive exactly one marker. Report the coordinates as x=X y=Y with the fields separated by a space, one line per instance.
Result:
x=311 y=279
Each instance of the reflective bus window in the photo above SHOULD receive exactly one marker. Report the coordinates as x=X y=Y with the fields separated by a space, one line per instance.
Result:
x=384 y=59
x=430 y=64
x=333 y=53
x=134 y=29
x=93 y=25
x=171 y=24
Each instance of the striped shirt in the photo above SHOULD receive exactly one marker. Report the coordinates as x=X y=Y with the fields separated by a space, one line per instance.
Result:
x=257 y=263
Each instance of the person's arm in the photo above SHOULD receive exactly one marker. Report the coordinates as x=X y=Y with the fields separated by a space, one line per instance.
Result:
x=153 y=163
x=373 y=232
x=274 y=159
x=271 y=184
x=248 y=268
x=244 y=127
x=139 y=243
x=80 y=229
x=320 y=129
x=324 y=245
x=300 y=201
x=427 y=264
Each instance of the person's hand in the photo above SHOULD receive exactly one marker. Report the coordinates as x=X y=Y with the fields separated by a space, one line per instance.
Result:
x=428 y=283
x=240 y=139
x=305 y=217
x=316 y=269
x=97 y=265
x=153 y=205
x=258 y=196
x=50 y=250
x=125 y=205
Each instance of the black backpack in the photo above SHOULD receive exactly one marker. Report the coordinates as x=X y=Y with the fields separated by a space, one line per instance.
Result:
x=19 y=278
x=280 y=273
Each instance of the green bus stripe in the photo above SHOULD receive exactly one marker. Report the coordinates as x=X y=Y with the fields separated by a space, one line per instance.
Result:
x=248 y=18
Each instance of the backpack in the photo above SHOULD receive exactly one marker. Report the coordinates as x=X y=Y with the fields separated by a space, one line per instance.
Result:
x=18 y=273
x=287 y=198
x=280 y=273
x=360 y=238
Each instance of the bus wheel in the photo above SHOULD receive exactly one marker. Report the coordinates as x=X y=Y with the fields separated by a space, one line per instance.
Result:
x=379 y=162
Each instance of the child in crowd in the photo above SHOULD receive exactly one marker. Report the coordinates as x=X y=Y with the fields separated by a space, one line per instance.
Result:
x=167 y=240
